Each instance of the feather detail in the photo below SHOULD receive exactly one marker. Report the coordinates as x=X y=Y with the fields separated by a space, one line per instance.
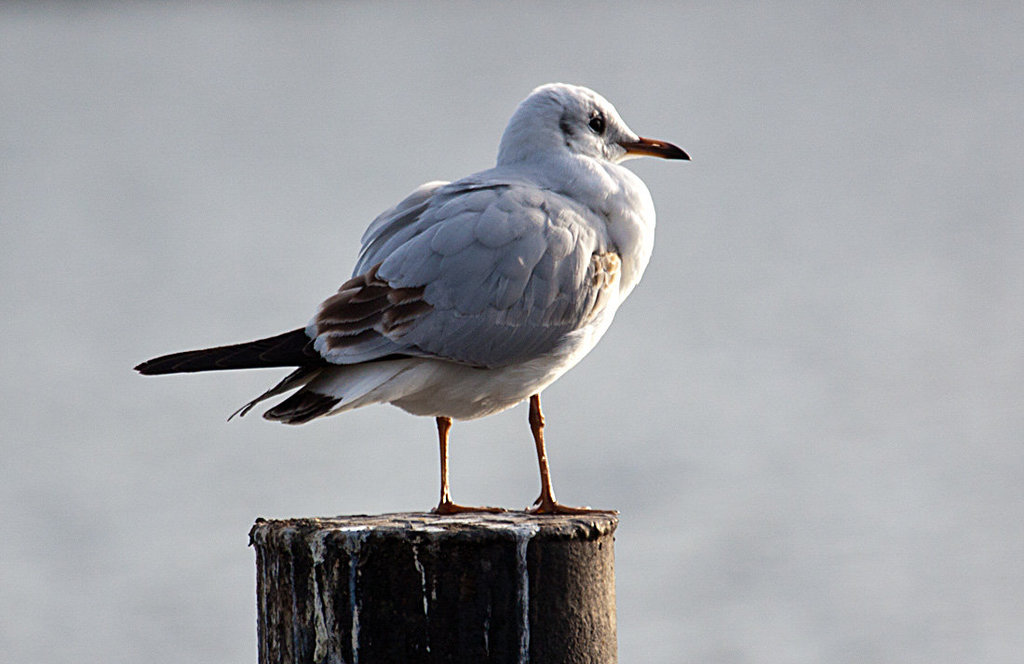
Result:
x=290 y=349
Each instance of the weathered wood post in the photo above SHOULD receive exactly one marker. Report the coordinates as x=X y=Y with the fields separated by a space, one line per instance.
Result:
x=416 y=587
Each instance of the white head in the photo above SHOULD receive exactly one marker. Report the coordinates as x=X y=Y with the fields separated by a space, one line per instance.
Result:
x=561 y=118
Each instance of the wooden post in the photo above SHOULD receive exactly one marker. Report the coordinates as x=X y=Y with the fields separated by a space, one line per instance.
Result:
x=415 y=587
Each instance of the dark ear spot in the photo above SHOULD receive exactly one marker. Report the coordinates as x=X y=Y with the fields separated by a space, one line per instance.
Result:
x=565 y=125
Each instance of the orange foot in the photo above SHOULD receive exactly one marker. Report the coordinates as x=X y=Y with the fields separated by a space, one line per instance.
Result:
x=549 y=506
x=446 y=507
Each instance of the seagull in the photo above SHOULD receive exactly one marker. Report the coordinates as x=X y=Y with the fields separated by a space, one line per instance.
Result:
x=469 y=297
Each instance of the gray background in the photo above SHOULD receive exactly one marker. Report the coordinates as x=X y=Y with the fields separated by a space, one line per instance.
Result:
x=809 y=413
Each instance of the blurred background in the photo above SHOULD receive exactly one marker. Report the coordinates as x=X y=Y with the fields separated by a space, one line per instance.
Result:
x=809 y=413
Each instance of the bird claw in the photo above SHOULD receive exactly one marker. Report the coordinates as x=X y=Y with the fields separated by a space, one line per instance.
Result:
x=555 y=507
x=447 y=507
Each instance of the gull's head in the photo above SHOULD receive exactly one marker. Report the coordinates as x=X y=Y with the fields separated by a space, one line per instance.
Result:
x=561 y=118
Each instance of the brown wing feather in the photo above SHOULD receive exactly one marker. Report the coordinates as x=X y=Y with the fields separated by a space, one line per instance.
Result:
x=367 y=307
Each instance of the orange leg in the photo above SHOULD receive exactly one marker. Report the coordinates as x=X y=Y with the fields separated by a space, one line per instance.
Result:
x=546 y=503
x=445 y=505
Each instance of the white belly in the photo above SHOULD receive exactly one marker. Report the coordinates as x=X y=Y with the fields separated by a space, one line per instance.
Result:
x=466 y=393
x=438 y=388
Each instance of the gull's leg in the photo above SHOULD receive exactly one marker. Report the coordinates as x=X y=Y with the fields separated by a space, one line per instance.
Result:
x=444 y=426
x=445 y=505
x=546 y=503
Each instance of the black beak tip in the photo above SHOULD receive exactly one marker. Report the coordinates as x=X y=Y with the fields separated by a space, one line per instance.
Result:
x=654 y=148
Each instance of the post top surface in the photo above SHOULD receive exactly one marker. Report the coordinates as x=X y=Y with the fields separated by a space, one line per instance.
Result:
x=479 y=525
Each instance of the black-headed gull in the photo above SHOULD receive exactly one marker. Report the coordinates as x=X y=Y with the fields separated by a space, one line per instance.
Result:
x=471 y=296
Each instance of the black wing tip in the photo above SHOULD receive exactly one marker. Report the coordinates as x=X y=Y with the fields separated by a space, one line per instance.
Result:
x=147 y=368
x=166 y=364
x=290 y=349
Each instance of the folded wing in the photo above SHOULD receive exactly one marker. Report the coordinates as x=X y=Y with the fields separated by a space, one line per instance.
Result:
x=485 y=275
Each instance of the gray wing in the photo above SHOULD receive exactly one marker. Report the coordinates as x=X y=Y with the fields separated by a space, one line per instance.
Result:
x=394 y=227
x=483 y=275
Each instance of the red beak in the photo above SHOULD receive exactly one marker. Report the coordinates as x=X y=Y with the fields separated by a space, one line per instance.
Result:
x=654 y=148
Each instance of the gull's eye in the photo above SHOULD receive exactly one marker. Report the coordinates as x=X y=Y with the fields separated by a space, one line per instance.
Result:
x=597 y=123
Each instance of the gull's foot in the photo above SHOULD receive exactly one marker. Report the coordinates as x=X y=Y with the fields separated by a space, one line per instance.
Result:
x=448 y=507
x=555 y=507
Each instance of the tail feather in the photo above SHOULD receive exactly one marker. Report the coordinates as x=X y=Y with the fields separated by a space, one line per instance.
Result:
x=295 y=379
x=301 y=407
x=340 y=388
x=290 y=349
